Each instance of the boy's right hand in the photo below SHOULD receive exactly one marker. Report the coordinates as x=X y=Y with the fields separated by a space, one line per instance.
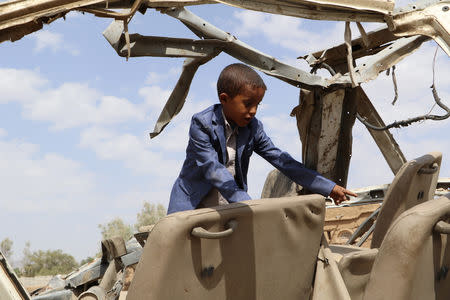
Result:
x=339 y=194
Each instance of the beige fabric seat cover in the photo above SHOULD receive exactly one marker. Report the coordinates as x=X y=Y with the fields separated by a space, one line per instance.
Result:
x=413 y=260
x=409 y=188
x=271 y=255
x=355 y=268
x=414 y=183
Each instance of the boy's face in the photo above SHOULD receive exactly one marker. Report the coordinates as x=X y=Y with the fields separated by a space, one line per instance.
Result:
x=242 y=108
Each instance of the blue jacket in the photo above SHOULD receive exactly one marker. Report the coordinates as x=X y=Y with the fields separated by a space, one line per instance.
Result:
x=204 y=167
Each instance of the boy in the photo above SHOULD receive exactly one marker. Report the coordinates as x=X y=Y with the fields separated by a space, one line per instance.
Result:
x=221 y=140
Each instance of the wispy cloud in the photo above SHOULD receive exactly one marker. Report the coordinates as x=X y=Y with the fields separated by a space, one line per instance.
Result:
x=52 y=41
x=69 y=105
x=158 y=77
x=33 y=181
x=290 y=33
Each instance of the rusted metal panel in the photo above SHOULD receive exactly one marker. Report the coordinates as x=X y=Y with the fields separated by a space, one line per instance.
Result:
x=429 y=18
x=329 y=138
x=317 y=10
x=345 y=144
x=379 y=6
x=385 y=59
x=178 y=96
x=325 y=121
x=21 y=17
x=378 y=40
x=176 y=3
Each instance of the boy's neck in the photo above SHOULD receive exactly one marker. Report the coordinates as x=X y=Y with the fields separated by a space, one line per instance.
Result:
x=229 y=121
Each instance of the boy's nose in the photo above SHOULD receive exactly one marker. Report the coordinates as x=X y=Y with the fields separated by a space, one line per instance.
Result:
x=252 y=111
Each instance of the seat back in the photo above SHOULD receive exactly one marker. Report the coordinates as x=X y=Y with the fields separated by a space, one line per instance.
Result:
x=413 y=259
x=270 y=255
x=414 y=183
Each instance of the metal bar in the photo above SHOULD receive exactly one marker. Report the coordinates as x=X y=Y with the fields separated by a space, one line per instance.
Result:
x=362 y=228
x=385 y=59
x=245 y=53
x=170 y=47
x=429 y=18
x=377 y=40
x=366 y=235
x=15 y=13
x=178 y=96
x=309 y=10
x=384 y=139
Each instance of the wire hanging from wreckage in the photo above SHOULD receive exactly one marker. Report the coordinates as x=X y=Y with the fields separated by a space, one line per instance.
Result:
x=407 y=122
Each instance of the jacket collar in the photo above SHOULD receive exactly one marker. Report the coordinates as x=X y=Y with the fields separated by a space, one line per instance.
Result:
x=218 y=124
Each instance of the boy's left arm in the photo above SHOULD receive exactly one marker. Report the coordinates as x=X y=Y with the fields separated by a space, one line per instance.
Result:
x=295 y=170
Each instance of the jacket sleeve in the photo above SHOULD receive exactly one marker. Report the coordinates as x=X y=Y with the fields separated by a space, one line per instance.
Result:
x=206 y=158
x=293 y=169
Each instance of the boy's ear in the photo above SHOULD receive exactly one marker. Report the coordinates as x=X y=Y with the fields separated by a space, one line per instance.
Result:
x=223 y=97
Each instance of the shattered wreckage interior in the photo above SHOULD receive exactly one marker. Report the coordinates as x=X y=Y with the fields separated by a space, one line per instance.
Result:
x=327 y=111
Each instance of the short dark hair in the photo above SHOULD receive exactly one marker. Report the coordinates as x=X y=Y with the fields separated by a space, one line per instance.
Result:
x=234 y=77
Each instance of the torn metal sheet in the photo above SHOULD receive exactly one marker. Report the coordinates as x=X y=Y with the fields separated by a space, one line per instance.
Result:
x=364 y=11
x=429 y=18
x=385 y=59
x=332 y=104
x=198 y=53
x=377 y=40
x=176 y=3
x=96 y=269
x=348 y=39
x=178 y=96
x=21 y=17
x=324 y=121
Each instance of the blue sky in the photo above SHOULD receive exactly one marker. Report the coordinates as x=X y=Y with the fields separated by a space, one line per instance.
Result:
x=75 y=119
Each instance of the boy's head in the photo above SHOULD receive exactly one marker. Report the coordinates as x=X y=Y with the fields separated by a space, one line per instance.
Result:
x=240 y=90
